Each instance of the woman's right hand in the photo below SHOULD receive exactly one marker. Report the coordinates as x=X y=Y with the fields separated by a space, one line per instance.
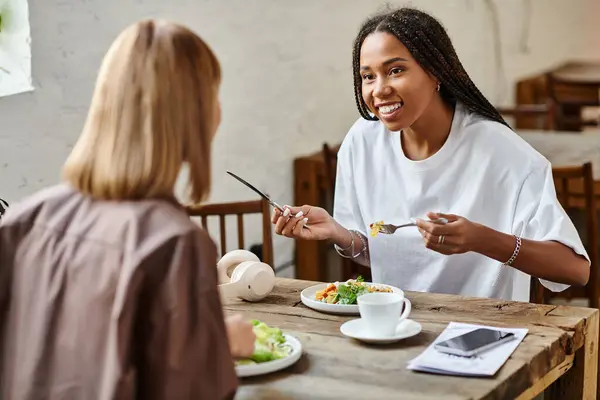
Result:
x=306 y=222
x=240 y=334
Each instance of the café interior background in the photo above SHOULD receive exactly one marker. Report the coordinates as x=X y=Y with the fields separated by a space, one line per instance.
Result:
x=287 y=77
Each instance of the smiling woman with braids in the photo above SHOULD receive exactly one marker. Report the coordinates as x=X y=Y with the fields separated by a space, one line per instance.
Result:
x=430 y=144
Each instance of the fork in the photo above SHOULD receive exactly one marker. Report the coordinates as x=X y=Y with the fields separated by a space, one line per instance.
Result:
x=390 y=229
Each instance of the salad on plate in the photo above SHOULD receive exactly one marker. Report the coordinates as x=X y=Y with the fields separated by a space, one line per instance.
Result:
x=270 y=345
x=349 y=291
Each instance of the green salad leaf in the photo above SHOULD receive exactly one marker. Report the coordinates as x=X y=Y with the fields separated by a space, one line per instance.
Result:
x=269 y=345
x=348 y=292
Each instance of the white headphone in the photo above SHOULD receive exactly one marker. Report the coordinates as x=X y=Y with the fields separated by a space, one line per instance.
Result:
x=251 y=279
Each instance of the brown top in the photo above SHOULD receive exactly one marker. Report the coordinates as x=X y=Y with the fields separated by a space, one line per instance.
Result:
x=109 y=300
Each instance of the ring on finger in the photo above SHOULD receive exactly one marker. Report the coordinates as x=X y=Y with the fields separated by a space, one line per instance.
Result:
x=441 y=239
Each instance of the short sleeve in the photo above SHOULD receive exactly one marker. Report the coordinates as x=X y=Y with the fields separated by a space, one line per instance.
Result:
x=539 y=216
x=346 y=210
x=186 y=351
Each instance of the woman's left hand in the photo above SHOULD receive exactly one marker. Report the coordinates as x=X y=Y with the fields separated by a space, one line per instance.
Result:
x=458 y=236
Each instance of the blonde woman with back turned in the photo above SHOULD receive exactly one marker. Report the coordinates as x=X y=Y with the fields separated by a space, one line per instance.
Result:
x=107 y=289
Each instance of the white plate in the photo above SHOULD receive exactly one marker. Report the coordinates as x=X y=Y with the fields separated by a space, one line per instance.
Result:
x=355 y=329
x=275 y=365
x=308 y=299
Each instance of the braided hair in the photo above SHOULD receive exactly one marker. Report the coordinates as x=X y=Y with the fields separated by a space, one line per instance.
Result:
x=3 y=207
x=429 y=44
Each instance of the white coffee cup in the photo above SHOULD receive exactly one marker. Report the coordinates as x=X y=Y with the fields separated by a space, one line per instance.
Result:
x=381 y=312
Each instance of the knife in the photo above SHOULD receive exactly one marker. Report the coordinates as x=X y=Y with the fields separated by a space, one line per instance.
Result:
x=261 y=194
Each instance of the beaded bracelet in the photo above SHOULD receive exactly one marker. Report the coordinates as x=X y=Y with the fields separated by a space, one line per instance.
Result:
x=365 y=248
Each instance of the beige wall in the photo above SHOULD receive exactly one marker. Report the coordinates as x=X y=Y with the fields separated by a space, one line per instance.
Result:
x=287 y=79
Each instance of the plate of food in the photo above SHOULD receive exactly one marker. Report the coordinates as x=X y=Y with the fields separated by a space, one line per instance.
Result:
x=273 y=351
x=340 y=297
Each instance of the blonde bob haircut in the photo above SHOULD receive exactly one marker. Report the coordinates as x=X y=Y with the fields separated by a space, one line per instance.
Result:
x=154 y=109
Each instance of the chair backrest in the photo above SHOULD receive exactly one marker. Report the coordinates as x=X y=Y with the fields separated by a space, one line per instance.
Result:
x=564 y=179
x=542 y=113
x=239 y=209
x=350 y=269
x=569 y=98
x=330 y=159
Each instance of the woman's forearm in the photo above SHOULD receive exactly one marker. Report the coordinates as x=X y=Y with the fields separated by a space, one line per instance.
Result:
x=548 y=260
x=343 y=238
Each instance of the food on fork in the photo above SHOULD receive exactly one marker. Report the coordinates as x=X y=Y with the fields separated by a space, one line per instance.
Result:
x=376 y=228
x=349 y=291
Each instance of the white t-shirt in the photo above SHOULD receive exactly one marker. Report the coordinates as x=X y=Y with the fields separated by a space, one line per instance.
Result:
x=484 y=172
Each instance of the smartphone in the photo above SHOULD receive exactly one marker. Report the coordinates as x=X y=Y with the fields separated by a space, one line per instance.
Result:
x=474 y=342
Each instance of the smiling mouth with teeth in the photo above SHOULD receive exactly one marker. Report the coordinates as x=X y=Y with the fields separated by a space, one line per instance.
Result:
x=389 y=108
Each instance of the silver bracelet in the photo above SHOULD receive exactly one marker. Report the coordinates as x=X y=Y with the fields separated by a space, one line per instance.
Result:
x=515 y=253
x=341 y=251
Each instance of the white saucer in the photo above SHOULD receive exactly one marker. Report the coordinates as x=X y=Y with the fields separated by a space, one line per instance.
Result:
x=355 y=329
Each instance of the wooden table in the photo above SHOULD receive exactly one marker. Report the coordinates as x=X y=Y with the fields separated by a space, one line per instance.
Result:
x=565 y=149
x=534 y=90
x=579 y=72
x=561 y=347
x=310 y=185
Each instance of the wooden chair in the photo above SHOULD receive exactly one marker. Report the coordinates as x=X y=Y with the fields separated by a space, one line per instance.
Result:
x=350 y=269
x=543 y=114
x=330 y=158
x=565 y=179
x=569 y=99
x=222 y=210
